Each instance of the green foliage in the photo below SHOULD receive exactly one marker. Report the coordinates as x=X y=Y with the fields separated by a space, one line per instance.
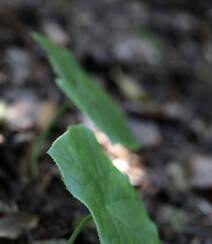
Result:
x=79 y=228
x=88 y=174
x=87 y=94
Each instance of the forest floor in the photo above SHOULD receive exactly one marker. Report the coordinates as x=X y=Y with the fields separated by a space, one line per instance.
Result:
x=155 y=59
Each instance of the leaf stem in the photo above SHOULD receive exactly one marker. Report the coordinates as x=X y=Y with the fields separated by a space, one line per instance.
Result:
x=76 y=232
x=41 y=138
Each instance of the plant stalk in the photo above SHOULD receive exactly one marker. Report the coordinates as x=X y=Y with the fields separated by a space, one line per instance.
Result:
x=76 y=232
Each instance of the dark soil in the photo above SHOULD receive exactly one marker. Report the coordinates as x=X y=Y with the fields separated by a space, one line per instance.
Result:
x=166 y=47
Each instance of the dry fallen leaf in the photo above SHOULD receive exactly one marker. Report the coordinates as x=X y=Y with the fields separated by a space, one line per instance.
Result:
x=13 y=225
x=128 y=86
x=46 y=111
x=124 y=160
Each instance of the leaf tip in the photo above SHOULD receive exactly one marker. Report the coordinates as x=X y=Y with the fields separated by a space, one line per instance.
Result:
x=36 y=36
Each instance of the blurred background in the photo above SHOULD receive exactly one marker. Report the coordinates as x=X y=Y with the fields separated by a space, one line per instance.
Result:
x=155 y=59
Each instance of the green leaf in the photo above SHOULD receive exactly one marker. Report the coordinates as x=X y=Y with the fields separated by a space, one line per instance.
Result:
x=87 y=94
x=88 y=174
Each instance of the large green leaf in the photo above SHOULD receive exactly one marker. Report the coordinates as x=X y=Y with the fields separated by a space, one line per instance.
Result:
x=87 y=94
x=88 y=174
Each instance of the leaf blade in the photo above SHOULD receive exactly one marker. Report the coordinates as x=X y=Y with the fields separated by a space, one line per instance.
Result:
x=87 y=94
x=88 y=174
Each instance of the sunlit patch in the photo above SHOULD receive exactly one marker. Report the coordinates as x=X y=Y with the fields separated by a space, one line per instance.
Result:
x=124 y=160
x=121 y=165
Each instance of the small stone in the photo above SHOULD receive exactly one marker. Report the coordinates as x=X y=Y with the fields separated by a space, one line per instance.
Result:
x=201 y=171
x=55 y=32
x=146 y=133
x=21 y=112
x=174 y=217
x=177 y=111
x=20 y=62
x=178 y=174
x=136 y=49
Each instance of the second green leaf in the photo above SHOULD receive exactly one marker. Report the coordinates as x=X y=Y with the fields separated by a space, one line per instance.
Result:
x=87 y=94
